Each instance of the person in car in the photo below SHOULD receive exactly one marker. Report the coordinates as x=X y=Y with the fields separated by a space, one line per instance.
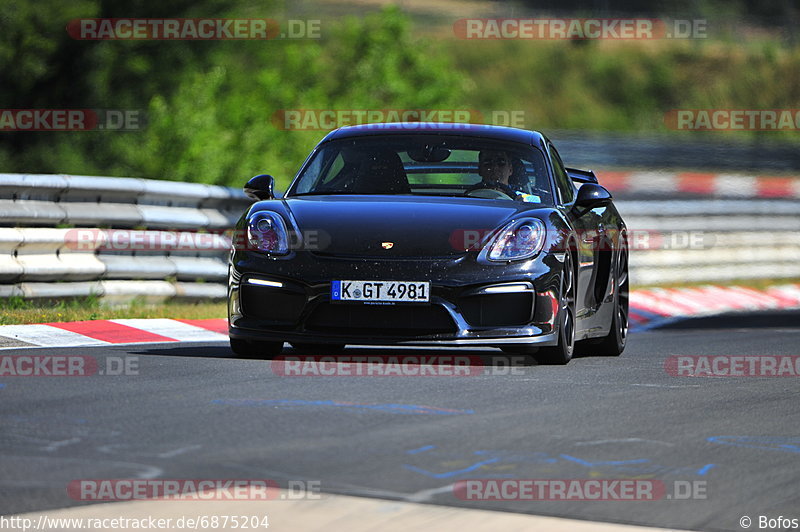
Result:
x=498 y=171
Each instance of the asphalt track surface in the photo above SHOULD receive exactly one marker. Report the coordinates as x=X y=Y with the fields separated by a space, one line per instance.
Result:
x=196 y=411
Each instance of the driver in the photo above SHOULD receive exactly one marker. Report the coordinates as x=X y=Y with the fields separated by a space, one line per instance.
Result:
x=495 y=168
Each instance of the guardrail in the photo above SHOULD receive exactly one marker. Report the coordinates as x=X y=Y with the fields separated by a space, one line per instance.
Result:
x=58 y=238
x=655 y=184
x=713 y=240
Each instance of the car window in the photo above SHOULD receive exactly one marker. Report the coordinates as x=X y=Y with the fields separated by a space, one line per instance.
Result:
x=564 y=184
x=460 y=168
x=333 y=169
x=422 y=165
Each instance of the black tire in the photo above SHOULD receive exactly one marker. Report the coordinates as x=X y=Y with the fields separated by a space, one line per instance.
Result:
x=614 y=343
x=256 y=349
x=317 y=349
x=562 y=353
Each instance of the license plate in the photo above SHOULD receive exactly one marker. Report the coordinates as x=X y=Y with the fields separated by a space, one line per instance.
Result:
x=381 y=291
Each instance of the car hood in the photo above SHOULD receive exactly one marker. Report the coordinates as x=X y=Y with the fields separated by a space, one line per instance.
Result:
x=408 y=226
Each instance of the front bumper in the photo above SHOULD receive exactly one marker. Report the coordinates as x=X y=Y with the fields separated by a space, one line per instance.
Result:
x=291 y=301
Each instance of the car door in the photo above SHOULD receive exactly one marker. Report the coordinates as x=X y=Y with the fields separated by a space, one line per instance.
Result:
x=589 y=230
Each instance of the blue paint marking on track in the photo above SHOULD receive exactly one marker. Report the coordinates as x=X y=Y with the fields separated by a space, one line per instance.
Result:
x=2 y=385
x=448 y=474
x=773 y=443
x=592 y=464
x=392 y=408
x=640 y=466
x=703 y=470
x=421 y=449
x=520 y=457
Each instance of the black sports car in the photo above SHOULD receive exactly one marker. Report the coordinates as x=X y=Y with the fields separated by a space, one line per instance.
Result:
x=443 y=234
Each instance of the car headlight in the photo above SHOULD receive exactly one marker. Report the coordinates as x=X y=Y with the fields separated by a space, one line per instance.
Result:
x=521 y=239
x=266 y=231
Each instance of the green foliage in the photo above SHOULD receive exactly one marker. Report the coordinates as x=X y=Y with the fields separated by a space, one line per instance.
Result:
x=627 y=86
x=212 y=107
x=220 y=125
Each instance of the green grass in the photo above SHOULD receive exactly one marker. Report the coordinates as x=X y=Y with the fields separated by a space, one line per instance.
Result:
x=17 y=310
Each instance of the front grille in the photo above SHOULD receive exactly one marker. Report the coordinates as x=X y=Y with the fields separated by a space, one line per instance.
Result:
x=497 y=310
x=398 y=320
x=272 y=304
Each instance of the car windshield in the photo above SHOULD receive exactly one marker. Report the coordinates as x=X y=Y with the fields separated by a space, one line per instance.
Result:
x=431 y=165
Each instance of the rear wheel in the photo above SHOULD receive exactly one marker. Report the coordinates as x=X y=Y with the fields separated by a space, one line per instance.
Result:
x=614 y=343
x=317 y=349
x=562 y=353
x=255 y=348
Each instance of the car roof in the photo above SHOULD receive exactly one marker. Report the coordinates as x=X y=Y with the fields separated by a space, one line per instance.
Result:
x=511 y=134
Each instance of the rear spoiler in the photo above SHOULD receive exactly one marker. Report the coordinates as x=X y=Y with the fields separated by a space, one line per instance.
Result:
x=581 y=176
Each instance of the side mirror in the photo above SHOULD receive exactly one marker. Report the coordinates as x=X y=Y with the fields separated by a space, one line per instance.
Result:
x=260 y=187
x=592 y=195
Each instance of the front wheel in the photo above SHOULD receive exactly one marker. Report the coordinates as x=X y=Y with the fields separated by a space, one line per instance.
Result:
x=562 y=353
x=255 y=348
